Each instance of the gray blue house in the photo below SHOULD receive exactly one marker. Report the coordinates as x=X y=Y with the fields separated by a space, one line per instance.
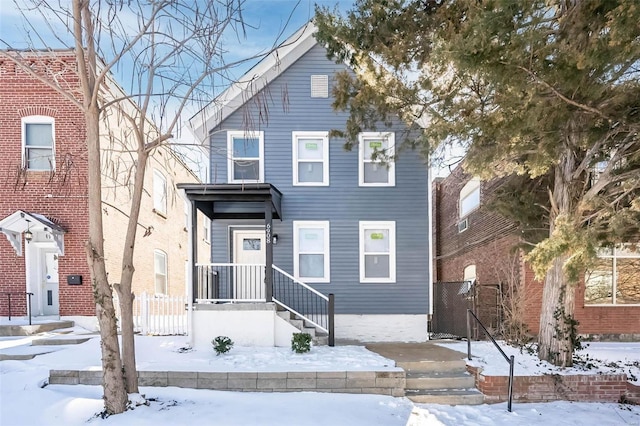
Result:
x=296 y=217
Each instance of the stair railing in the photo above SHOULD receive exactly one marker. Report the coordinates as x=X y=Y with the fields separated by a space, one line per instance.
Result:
x=304 y=301
x=510 y=360
x=26 y=293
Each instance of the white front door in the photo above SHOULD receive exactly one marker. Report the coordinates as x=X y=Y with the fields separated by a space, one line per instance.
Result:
x=249 y=250
x=49 y=282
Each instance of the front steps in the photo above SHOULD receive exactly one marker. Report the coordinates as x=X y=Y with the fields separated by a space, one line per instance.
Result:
x=440 y=382
x=29 y=330
x=319 y=338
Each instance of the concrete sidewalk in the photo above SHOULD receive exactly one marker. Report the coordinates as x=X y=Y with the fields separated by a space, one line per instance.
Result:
x=415 y=352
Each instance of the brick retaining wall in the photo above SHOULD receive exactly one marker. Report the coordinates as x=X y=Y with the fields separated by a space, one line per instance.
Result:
x=367 y=382
x=552 y=387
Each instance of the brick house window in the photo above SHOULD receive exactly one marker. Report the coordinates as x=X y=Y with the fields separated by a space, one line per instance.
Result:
x=614 y=278
x=159 y=193
x=375 y=152
x=160 y=271
x=469 y=197
x=38 y=135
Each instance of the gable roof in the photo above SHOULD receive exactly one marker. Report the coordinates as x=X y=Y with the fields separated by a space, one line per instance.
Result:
x=257 y=78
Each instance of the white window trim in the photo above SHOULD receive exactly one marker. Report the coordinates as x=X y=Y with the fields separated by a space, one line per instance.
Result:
x=206 y=230
x=230 y=158
x=157 y=174
x=39 y=119
x=325 y=157
x=468 y=189
x=614 y=256
x=324 y=225
x=166 y=273
x=391 y=165
x=391 y=226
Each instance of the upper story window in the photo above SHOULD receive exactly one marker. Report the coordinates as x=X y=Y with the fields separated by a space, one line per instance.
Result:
x=376 y=165
x=469 y=197
x=320 y=86
x=614 y=278
x=246 y=156
x=310 y=158
x=311 y=251
x=38 y=135
x=160 y=271
x=159 y=193
x=377 y=252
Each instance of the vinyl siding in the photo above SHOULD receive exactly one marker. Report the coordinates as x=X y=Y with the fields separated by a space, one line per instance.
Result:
x=343 y=203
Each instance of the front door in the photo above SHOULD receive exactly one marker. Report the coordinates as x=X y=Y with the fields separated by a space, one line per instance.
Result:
x=49 y=284
x=249 y=256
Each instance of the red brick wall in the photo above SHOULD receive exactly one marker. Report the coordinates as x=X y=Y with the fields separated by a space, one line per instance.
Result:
x=589 y=388
x=60 y=196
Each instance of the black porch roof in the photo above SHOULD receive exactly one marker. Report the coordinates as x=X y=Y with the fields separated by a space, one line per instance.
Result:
x=234 y=200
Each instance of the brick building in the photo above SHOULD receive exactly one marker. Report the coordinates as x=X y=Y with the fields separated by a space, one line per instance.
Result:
x=473 y=243
x=43 y=197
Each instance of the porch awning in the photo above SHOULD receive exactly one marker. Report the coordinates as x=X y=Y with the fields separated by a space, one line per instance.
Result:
x=14 y=225
x=234 y=201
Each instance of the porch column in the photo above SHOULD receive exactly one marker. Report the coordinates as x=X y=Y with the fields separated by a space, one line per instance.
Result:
x=193 y=232
x=268 y=273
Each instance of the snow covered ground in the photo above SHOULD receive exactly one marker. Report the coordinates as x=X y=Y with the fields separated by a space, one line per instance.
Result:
x=24 y=400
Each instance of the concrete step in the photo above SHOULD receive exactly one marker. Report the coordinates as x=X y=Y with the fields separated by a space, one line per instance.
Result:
x=16 y=357
x=439 y=380
x=59 y=341
x=452 y=366
x=445 y=396
x=320 y=340
x=28 y=330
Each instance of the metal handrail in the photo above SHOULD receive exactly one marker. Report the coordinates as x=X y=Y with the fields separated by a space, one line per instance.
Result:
x=28 y=294
x=510 y=360
x=300 y=283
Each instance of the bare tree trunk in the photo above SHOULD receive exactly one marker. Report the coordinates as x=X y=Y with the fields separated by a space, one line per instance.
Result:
x=115 y=395
x=557 y=331
x=126 y=297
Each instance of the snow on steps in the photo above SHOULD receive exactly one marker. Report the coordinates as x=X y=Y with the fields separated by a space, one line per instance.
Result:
x=28 y=330
x=440 y=382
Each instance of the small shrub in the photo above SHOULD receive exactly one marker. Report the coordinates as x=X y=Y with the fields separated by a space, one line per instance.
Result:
x=301 y=342
x=222 y=344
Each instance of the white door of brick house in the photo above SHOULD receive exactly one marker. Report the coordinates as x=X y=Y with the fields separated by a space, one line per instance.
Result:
x=49 y=282
x=249 y=249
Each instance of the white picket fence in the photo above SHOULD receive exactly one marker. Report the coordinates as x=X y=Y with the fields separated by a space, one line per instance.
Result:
x=158 y=315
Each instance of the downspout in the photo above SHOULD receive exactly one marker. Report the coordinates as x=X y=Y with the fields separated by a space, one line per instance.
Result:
x=430 y=241
x=190 y=262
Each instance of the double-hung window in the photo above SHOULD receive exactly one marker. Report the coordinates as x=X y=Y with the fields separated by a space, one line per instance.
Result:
x=246 y=156
x=159 y=193
x=310 y=158
x=160 y=270
x=614 y=278
x=376 y=165
x=38 y=135
x=469 y=197
x=378 y=252
x=311 y=251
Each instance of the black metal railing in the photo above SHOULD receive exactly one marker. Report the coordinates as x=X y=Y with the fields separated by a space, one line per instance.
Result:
x=28 y=301
x=305 y=302
x=229 y=282
x=510 y=360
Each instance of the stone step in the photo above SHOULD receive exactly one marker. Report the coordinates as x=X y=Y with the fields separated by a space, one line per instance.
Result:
x=433 y=366
x=439 y=380
x=445 y=396
x=28 y=330
x=59 y=341
x=17 y=357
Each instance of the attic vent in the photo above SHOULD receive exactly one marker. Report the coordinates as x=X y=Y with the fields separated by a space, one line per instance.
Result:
x=463 y=225
x=319 y=86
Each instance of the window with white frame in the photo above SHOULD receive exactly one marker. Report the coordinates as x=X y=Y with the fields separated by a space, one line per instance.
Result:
x=376 y=165
x=469 y=278
x=160 y=271
x=469 y=197
x=310 y=158
x=159 y=193
x=378 y=252
x=246 y=156
x=38 y=135
x=614 y=277
x=207 y=230
x=311 y=246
